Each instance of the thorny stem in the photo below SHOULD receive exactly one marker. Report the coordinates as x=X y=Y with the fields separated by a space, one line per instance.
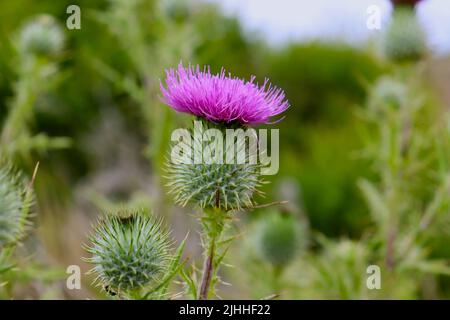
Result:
x=208 y=268
x=19 y=113
x=213 y=223
x=26 y=93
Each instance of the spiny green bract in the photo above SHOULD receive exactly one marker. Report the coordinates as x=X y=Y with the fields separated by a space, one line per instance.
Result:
x=129 y=252
x=224 y=186
x=13 y=205
x=279 y=238
x=42 y=36
x=404 y=39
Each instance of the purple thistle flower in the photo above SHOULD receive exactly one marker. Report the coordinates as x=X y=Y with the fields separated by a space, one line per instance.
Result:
x=221 y=98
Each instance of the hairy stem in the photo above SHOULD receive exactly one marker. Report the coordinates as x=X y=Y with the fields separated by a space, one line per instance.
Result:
x=208 y=269
x=213 y=223
x=20 y=112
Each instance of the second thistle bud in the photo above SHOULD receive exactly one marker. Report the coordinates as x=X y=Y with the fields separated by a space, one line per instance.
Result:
x=387 y=92
x=404 y=39
x=42 y=36
x=129 y=253
x=280 y=237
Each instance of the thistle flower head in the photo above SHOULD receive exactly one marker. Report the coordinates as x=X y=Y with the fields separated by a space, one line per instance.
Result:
x=220 y=97
x=14 y=204
x=400 y=3
x=130 y=252
x=404 y=39
x=42 y=36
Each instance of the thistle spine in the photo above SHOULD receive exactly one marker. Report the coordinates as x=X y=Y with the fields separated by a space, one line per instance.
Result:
x=15 y=201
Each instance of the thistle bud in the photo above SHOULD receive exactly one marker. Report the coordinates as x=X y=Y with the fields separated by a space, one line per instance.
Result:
x=387 y=92
x=14 y=205
x=280 y=237
x=42 y=36
x=227 y=186
x=404 y=39
x=129 y=252
x=177 y=10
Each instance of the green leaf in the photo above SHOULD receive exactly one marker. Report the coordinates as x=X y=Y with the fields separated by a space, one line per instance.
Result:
x=378 y=208
x=174 y=268
x=190 y=282
x=434 y=267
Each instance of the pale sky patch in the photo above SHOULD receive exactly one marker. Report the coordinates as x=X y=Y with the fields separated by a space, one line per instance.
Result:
x=282 y=21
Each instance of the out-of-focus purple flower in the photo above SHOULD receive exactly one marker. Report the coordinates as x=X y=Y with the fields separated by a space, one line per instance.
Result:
x=221 y=98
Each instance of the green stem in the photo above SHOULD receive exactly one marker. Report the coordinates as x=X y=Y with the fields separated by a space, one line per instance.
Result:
x=19 y=113
x=208 y=269
x=276 y=280
x=213 y=223
x=22 y=108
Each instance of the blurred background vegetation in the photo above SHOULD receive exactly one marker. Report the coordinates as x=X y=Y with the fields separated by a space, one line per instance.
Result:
x=100 y=134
